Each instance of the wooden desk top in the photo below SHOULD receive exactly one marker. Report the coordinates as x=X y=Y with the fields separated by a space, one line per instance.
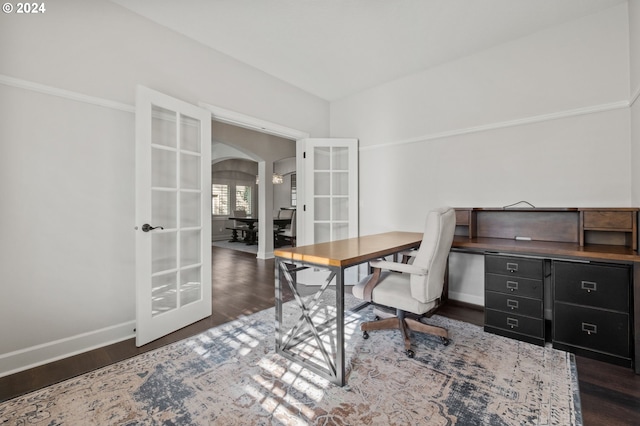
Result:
x=352 y=251
x=547 y=248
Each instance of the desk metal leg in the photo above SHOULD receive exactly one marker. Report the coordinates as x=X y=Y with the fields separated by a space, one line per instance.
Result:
x=310 y=328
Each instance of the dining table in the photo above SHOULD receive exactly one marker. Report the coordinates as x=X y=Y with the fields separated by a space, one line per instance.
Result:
x=251 y=232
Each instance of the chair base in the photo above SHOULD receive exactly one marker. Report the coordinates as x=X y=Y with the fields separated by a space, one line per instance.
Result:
x=404 y=324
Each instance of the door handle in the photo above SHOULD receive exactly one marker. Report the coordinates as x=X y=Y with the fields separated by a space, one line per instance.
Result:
x=146 y=227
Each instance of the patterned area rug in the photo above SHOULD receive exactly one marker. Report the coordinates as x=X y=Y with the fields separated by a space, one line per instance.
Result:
x=230 y=375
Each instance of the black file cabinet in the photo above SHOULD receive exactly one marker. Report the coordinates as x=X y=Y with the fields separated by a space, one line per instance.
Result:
x=514 y=298
x=591 y=313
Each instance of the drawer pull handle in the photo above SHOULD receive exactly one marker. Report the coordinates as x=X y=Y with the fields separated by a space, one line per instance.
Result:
x=513 y=304
x=512 y=322
x=589 y=286
x=512 y=285
x=589 y=328
x=512 y=267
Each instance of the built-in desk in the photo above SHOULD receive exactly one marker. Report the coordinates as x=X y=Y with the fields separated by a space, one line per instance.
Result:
x=587 y=258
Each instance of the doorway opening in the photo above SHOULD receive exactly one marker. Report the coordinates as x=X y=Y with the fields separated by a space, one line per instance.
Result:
x=249 y=175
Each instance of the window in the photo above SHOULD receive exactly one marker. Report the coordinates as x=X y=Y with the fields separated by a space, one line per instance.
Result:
x=243 y=198
x=294 y=190
x=220 y=199
x=227 y=196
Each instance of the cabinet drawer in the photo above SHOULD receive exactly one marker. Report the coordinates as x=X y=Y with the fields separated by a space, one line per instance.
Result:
x=514 y=285
x=517 y=266
x=516 y=323
x=513 y=304
x=601 y=286
x=589 y=328
x=603 y=219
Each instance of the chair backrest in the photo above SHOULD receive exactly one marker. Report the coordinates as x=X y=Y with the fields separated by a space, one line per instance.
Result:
x=239 y=213
x=293 y=223
x=433 y=254
x=286 y=214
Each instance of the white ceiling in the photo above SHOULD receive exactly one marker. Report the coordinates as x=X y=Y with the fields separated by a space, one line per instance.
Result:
x=334 y=48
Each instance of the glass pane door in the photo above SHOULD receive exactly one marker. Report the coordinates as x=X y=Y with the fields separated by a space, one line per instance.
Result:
x=332 y=205
x=173 y=205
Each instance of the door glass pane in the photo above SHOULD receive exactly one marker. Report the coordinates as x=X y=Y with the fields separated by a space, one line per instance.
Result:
x=163 y=172
x=340 y=158
x=322 y=183
x=190 y=286
x=163 y=127
x=163 y=251
x=340 y=183
x=322 y=209
x=322 y=232
x=163 y=209
x=190 y=248
x=190 y=175
x=190 y=209
x=322 y=158
x=164 y=293
x=189 y=133
x=340 y=231
x=340 y=209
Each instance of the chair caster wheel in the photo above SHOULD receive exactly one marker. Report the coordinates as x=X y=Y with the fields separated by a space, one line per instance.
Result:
x=365 y=335
x=445 y=341
x=410 y=353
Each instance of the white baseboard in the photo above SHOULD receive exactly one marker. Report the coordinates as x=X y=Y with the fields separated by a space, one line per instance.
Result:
x=24 y=359
x=466 y=298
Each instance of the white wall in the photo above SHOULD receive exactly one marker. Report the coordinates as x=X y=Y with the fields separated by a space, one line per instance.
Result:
x=101 y=49
x=67 y=163
x=282 y=192
x=634 y=52
x=66 y=221
x=544 y=118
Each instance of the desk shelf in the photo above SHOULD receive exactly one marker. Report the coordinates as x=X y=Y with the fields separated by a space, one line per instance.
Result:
x=617 y=226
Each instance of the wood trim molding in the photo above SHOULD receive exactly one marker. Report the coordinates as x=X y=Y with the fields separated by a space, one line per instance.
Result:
x=242 y=120
x=67 y=94
x=34 y=356
x=504 y=124
x=232 y=117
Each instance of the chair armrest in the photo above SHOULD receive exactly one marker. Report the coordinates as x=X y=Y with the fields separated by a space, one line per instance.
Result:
x=400 y=267
x=379 y=265
x=410 y=253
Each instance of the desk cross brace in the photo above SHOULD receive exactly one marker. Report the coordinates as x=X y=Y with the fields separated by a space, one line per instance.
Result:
x=305 y=317
x=297 y=334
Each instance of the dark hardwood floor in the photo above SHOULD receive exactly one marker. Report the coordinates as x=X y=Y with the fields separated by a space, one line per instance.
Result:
x=242 y=285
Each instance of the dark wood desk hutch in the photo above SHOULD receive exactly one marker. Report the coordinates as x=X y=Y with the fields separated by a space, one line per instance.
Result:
x=580 y=266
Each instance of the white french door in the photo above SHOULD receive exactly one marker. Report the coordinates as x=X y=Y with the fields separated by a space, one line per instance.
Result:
x=173 y=214
x=328 y=206
x=331 y=190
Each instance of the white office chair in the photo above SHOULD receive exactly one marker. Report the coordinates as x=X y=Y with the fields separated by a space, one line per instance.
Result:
x=412 y=288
